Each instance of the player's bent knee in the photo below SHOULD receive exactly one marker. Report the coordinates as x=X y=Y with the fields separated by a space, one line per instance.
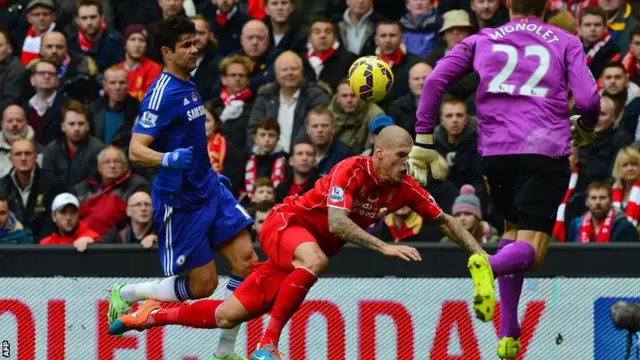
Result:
x=225 y=322
x=317 y=262
x=203 y=288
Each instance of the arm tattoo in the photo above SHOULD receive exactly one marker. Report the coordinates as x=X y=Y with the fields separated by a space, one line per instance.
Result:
x=345 y=229
x=458 y=234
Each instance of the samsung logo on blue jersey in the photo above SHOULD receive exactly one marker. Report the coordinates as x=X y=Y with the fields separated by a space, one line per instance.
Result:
x=196 y=112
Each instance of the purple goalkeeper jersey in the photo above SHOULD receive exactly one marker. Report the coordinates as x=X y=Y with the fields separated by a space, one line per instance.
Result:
x=526 y=69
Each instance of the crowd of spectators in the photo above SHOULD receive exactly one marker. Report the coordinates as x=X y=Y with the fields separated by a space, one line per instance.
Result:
x=280 y=113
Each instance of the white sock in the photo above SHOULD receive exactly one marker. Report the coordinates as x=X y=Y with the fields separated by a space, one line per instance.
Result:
x=163 y=290
x=227 y=342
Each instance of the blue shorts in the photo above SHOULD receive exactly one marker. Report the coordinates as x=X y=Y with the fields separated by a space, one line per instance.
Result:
x=186 y=237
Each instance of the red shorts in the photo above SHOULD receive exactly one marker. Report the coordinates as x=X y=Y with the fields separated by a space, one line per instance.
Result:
x=259 y=290
x=279 y=240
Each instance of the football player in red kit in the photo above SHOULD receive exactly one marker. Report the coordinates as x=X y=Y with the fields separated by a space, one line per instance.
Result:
x=300 y=235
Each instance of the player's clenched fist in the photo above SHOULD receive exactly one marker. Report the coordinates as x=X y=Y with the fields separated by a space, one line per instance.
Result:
x=406 y=253
x=423 y=156
x=580 y=136
x=178 y=159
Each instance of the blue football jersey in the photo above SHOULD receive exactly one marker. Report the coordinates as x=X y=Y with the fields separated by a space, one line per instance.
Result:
x=172 y=112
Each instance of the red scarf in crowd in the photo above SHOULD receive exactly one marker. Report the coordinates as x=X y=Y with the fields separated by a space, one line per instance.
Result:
x=587 y=228
x=31 y=45
x=395 y=58
x=633 y=205
x=227 y=98
x=83 y=40
x=217 y=147
x=630 y=64
x=317 y=60
x=251 y=173
x=559 y=228
x=594 y=50
x=574 y=6
x=256 y=9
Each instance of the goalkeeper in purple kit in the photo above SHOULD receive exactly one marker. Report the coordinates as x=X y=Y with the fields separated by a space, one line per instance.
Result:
x=526 y=70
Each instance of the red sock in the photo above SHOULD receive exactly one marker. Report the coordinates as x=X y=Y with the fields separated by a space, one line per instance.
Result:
x=198 y=314
x=292 y=293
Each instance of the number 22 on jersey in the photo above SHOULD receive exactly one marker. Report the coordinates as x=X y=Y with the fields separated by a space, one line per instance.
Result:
x=499 y=84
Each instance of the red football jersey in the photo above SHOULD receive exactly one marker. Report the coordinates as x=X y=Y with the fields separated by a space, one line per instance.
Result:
x=352 y=185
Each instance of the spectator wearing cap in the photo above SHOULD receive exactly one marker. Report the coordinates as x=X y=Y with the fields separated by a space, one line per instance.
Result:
x=70 y=230
x=94 y=38
x=467 y=209
x=391 y=49
x=357 y=27
x=72 y=157
x=327 y=60
x=113 y=115
x=456 y=139
x=77 y=72
x=205 y=74
x=406 y=226
x=227 y=22
x=11 y=230
x=12 y=74
x=30 y=190
x=404 y=108
x=455 y=28
x=141 y=71
x=329 y=150
x=14 y=128
x=420 y=27
x=41 y=15
x=103 y=196
x=352 y=117
x=43 y=110
x=301 y=174
x=139 y=221
x=379 y=122
x=564 y=20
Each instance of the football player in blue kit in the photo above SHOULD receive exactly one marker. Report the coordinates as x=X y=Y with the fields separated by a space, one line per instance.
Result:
x=192 y=210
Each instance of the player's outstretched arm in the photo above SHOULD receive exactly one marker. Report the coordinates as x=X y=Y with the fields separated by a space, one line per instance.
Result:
x=344 y=228
x=452 y=228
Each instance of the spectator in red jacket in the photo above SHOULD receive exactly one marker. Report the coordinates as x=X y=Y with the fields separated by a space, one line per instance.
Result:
x=69 y=229
x=103 y=197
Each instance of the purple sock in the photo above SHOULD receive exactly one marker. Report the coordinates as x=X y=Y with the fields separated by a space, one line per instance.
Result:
x=510 y=288
x=517 y=257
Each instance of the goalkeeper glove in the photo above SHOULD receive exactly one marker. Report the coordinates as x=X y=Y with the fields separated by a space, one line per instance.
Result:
x=178 y=159
x=424 y=158
x=580 y=136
